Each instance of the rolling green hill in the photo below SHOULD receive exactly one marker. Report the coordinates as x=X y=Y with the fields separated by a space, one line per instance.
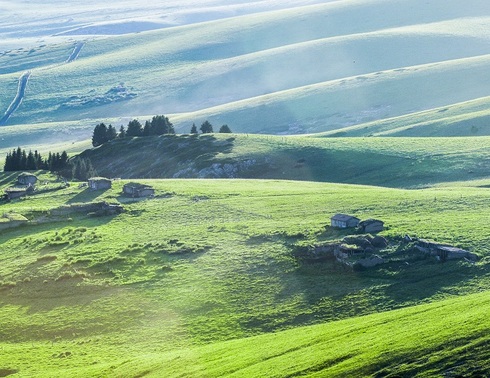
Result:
x=374 y=108
x=207 y=261
x=391 y=162
x=453 y=342
x=470 y=118
x=301 y=70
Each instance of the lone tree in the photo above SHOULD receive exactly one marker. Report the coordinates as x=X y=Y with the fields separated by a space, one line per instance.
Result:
x=206 y=127
x=134 y=128
x=224 y=129
x=193 y=129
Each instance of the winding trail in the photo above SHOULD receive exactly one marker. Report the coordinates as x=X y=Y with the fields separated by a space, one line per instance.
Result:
x=21 y=90
x=75 y=52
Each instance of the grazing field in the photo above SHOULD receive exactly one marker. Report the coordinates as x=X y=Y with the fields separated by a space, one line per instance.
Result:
x=206 y=261
x=377 y=109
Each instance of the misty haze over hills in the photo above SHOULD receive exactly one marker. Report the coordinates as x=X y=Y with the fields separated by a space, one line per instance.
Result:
x=267 y=66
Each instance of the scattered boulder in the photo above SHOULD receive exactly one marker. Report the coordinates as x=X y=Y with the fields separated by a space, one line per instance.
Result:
x=379 y=242
x=361 y=241
x=369 y=262
x=371 y=225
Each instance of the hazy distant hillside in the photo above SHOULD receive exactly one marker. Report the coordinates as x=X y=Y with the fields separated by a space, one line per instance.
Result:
x=299 y=69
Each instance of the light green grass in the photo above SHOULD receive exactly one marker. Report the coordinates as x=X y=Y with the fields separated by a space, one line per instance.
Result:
x=260 y=73
x=211 y=260
x=469 y=118
x=449 y=337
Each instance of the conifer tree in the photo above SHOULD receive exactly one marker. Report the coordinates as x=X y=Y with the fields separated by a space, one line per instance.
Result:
x=134 y=128
x=206 y=127
x=122 y=132
x=111 y=133
x=99 y=136
x=31 y=162
x=224 y=129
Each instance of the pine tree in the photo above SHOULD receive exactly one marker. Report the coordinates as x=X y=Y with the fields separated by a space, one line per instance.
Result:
x=99 y=136
x=8 y=162
x=224 y=129
x=161 y=125
x=193 y=129
x=122 y=132
x=23 y=161
x=147 y=129
x=17 y=160
x=134 y=128
x=63 y=160
x=39 y=160
x=31 y=162
x=111 y=133
x=206 y=127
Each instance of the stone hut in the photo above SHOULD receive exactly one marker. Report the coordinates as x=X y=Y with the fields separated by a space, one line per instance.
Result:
x=344 y=221
x=99 y=183
x=137 y=190
x=370 y=226
x=13 y=193
x=444 y=251
x=26 y=178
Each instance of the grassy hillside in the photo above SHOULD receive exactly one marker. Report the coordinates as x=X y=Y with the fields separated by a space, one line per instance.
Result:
x=392 y=162
x=470 y=118
x=453 y=342
x=260 y=72
x=212 y=260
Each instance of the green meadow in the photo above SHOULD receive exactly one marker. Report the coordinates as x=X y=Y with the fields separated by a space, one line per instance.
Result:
x=182 y=284
x=377 y=109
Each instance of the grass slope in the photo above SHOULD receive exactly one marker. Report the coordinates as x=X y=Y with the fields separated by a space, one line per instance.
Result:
x=445 y=338
x=463 y=119
x=207 y=261
x=373 y=67
x=393 y=162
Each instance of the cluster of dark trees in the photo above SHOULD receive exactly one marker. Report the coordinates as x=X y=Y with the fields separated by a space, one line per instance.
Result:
x=207 y=128
x=20 y=160
x=158 y=125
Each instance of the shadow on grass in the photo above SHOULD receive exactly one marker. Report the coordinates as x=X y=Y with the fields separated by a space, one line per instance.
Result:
x=157 y=156
x=8 y=178
x=330 y=290
x=87 y=195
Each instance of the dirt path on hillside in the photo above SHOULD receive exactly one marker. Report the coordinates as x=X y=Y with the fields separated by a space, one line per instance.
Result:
x=21 y=90
x=76 y=52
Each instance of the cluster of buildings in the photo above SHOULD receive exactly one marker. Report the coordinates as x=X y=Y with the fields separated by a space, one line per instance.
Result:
x=349 y=221
x=26 y=184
